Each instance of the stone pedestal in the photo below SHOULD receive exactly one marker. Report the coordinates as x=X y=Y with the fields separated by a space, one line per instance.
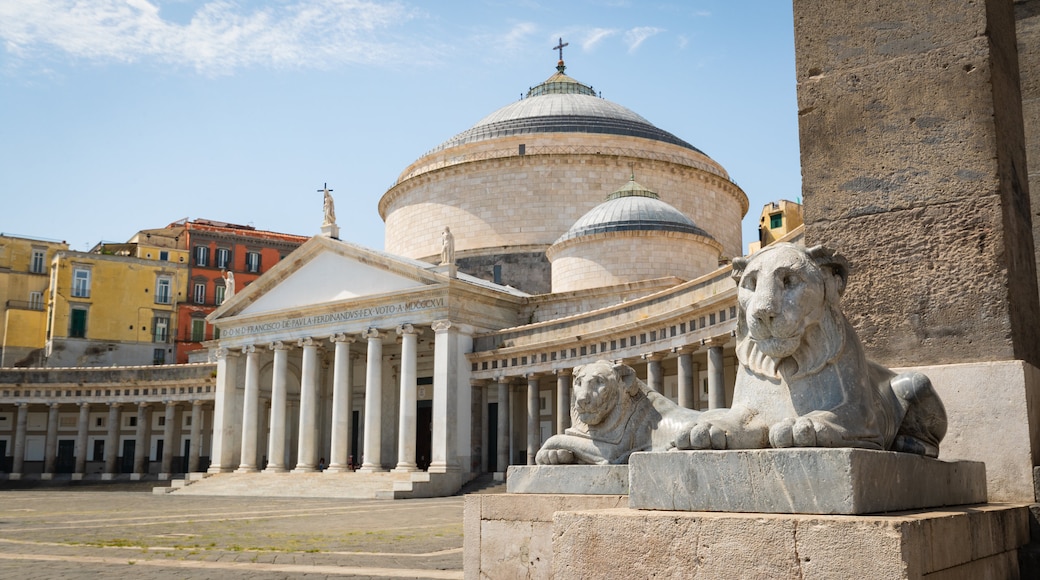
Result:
x=330 y=231
x=806 y=481
x=568 y=479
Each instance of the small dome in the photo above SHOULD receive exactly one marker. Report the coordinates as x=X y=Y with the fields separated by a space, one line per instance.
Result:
x=562 y=105
x=632 y=208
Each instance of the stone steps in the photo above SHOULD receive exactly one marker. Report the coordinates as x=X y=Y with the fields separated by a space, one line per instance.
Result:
x=351 y=485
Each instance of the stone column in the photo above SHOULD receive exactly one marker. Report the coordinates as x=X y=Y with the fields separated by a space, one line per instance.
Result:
x=276 y=439
x=716 y=376
x=533 y=413
x=406 y=427
x=250 y=411
x=307 y=449
x=914 y=168
x=195 y=445
x=563 y=400
x=372 y=460
x=82 y=426
x=654 y=372
x=50 y=446
x=18 y=461
x=688 y=371
x=503 y=424
x=112 y=443
x=224 y=428
x=342 y=403
x=445 y=396
x=169 y=440
x=141 y=445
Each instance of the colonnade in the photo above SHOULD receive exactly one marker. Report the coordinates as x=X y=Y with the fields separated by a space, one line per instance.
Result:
x=446 y=374
x=112 y=433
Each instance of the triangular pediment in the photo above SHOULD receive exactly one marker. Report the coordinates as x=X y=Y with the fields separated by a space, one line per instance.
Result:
x=326 y=271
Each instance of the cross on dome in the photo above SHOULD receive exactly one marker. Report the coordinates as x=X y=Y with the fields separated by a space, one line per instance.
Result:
x=559 y=47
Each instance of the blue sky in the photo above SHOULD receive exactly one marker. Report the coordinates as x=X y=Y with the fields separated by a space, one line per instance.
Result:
x=122 y=115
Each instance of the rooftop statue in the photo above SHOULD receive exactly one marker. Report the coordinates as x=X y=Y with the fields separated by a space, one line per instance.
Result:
x=613 y=415
x=804 y=380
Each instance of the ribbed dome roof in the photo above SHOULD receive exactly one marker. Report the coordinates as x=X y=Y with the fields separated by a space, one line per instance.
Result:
x=562 y=105
x=632 y=208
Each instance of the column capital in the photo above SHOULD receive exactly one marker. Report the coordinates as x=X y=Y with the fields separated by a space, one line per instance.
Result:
x=686 y=349
x=279 y=345
x=372 y=334
x=307 y=341
x=196 y=403
x=563 y=372
x=25 y=404
x=143 y=404
x=173 y=404
x=408 y=329
x=440 y=326
x=715 y=341
x=114 y=405
x=343 y=337
x=54 y=405
x=84 y=404
x=249 y=349
x=532 y=376
x=652 y=356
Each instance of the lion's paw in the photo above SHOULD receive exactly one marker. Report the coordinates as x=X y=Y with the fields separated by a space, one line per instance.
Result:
x=701 y=435
x=793 y=432
x=555 y=457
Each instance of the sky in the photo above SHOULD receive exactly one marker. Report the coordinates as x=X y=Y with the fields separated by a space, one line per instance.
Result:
x=123 y=115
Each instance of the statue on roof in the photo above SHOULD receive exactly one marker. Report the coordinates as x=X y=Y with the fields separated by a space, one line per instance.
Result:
x=229 y=284
x=447 y=247
x=329 y=206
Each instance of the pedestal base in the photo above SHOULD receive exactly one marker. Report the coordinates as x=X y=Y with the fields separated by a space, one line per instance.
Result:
x=804 y=481
x=568 y=479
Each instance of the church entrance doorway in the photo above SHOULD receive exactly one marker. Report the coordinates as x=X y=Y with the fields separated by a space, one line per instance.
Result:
x=423 y=434
x=66 y=460
x=492 y=448
x=127 y=463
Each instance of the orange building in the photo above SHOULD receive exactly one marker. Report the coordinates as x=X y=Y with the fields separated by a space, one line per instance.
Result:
x=216 y=249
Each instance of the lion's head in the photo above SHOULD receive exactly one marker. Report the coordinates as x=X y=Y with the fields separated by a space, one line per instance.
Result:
x=598 y=388
x=789 y=321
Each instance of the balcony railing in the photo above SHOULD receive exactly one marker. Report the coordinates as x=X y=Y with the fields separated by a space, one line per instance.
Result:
x=24 y=305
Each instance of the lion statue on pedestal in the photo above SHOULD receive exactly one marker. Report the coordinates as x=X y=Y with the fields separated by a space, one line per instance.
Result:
x=804 y=380
x=614 y=414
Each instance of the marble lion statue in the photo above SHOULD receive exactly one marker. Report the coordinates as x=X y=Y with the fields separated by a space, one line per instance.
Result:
x=804 y=380
x=613 y=414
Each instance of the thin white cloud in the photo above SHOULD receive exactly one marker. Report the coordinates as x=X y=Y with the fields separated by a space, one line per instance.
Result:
x=595 y=36
x=636 y=36
x=221 y=35
x=683 y=41
x=513 y=41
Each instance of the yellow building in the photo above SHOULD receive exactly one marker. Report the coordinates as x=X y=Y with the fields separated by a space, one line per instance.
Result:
x=112 y=309
x=24 y=279
x=779 y=219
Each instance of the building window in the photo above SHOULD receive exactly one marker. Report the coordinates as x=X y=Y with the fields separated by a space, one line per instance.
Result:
x=131 y=421
x=158 y=358
x=36 y=301
x=164 y=256
x=216 y=333
x=223 y=258
x=776 y=220
x=198 y=330
x=162 y=290
x=36 y=265
x=81 y=283
x=162 y=420
x=253 y=262
x=199 y=295
x=201 y=255
x=218 y=295
x=161 y=329
x=78 y=323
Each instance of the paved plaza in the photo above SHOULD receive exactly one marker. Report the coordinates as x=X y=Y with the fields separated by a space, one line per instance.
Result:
x=99 y=533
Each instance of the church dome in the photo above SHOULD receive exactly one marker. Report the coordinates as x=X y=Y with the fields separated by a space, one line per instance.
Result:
x=632 y=208
x=631 y=236
x=562 y=105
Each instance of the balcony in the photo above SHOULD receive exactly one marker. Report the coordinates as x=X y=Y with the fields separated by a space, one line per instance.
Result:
x=24 y=305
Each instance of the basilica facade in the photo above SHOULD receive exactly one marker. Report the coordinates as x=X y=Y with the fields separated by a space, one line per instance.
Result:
x=559 y=230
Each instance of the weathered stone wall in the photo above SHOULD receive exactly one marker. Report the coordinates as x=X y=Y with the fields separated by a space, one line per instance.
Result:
x=913 y=166
x=1027 y=30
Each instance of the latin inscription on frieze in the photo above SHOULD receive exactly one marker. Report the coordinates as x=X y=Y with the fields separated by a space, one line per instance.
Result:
x=332 y=317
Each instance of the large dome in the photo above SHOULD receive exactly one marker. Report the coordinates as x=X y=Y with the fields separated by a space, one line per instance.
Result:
x=562 y=105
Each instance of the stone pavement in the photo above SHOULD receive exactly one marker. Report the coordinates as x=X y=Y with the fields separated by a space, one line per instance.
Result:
x=65 y=533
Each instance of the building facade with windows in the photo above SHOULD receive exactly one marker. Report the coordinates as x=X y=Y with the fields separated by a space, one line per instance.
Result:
x=219 y=252
x=24 y=287
x=108 y=309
